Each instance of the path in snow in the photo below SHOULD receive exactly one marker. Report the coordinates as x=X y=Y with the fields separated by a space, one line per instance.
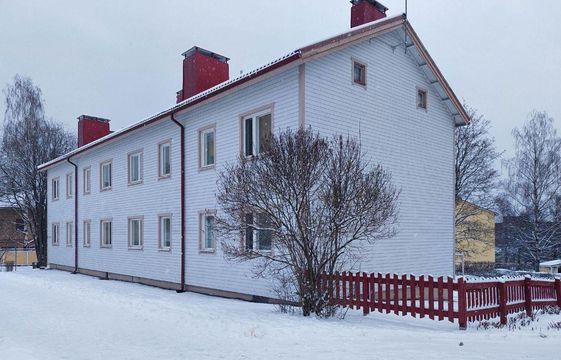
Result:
x=57 y=315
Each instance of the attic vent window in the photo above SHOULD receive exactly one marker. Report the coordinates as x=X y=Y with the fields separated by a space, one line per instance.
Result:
x=421 y=99
x=359 y=73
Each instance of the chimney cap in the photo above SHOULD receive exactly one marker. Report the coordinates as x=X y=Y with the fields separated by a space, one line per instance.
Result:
x=374 y=3
x=89 y=117
x=195 y=49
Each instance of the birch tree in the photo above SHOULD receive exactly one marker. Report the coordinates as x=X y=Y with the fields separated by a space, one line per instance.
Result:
x=304 y=206
x=534 y=186
x=29 y=140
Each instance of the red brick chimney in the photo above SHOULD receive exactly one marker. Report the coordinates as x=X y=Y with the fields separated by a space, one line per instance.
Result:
x=365 y=11
x=202 y=69
x=91 y=128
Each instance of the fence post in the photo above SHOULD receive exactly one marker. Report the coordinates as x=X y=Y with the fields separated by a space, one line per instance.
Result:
x=365 y=294
x=528 y=295
x=502 y=302
x=558 y=291
x=462 y=308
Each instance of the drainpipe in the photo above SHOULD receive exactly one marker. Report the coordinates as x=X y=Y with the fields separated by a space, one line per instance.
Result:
x=75 y=215
x=182 y=288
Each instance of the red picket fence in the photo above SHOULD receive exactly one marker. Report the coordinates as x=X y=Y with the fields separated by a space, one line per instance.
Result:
x=440 y=298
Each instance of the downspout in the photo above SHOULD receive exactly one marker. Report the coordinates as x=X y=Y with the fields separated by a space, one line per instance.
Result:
x=75 y=215
x=182 y=287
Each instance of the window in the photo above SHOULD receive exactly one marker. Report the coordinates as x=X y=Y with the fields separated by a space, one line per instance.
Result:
x=359 y=73
x=105 y=233
x=164 y=159
x=69 y=185
x=135 y=167
x=55 y=234
x=421 y=99
x=206 y=237
x=20 y=225
x=135 y=233
x=87 y=233
x=55 y=188
x=207 y=147
x=165 y=232
x=258 y=234
x=87 y=180
x=105 y=178
x=69 y=233
x=257 y=130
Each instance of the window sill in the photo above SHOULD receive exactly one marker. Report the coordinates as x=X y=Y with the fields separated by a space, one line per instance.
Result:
x=165 y=249
x=105 y=246
x=55 y=244
x=105 y=189
x=135 y=183
x=207 y=167
x=136 y=247
x=55 y=199
x=68 y=245
x=207 y=251
x=87 y=193
x=86 y=246
x=164 y=177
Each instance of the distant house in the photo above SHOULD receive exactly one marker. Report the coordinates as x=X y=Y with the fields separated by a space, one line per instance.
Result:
x=552 y=266
x=475 y=237
x=14 y=240
x=139 y=204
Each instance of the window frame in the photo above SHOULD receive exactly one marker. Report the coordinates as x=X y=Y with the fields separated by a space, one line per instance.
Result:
x=57 y=233
x=69 y=185
x=87 y=180
x=140 y=154
x=255 y=236
x=254 y=114
x=87 y=230
x=422 y=106
x=101 y=166
x=202 y=231
x=57 y=187
x=69 y=234
x=364 y=66
x=202 y=149
x=161 y=245
x=161 y=145
x=102 y=243
x=131 y=220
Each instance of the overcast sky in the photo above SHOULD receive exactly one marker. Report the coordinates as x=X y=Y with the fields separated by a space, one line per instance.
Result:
x=121 y=59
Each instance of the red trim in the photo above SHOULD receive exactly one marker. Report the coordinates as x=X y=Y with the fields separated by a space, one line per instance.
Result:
x=182 y=197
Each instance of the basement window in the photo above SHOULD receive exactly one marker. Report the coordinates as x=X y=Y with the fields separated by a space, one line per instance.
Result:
x=359 y=73
x=421 y=99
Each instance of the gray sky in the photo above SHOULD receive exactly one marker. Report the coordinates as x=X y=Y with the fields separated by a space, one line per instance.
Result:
x=121 y=59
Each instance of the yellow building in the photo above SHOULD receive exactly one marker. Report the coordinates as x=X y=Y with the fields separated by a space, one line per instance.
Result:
x=475 y=236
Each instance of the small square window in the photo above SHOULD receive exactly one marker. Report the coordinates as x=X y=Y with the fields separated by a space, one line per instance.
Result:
x=421 y=99
x=258 y=233
x=359 y=73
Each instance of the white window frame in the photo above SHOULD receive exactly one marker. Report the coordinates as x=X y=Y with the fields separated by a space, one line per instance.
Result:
x=69 y=185
x=137 y=154
x=161 y=166
x=105 y=242
x=203 y=215
x=161 y=235
x=87 y=233
x=87 y=178
x=255 y=236
x=102 y=166
x=203 y=148
x=69 y=233
x=140 y=221
x=55 y=234
x=254 y=130
x=55 y=188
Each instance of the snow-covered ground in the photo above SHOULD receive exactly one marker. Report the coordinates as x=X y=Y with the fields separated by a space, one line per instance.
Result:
x=57 y=315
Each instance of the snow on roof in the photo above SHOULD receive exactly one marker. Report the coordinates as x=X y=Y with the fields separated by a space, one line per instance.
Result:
x=551 y=263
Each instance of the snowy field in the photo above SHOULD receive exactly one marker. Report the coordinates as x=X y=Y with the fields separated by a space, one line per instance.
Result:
x=57 y=315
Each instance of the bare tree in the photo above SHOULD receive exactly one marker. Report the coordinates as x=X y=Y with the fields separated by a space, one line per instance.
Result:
x=28 y=140
x=476 y=178
x=304 y=206
x=534 y=186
